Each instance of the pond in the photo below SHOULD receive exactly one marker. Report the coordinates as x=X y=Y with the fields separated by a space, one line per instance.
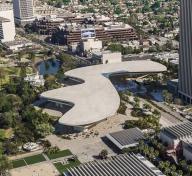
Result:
x=50 y=66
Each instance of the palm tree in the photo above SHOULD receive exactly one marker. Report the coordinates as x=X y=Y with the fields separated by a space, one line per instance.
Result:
x=147 y=106
x=141 y=146
x=2 y=76
x=183 y=164
x=103 y=154
x=146 y=150
x=156 y=153
x=5 y=164
x=180 y=172
x=173 y=168
x=190 y=169
x=161 y=165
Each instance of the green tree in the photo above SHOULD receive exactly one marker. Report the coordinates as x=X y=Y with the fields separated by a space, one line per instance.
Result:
x=5 y=164
x=103 y=154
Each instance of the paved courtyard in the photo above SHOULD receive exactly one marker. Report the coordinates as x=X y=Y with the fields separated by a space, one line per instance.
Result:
x=88 y=145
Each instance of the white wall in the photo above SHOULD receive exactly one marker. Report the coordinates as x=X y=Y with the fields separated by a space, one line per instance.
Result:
x=8 y=28
x=166 y=139
x=187 y=154
x=109 y=57
x=92 y=44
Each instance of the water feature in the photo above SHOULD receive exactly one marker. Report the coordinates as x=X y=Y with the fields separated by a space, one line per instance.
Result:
x=50 y=66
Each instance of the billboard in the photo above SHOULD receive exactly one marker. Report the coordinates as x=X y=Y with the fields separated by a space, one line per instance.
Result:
x=88 y=33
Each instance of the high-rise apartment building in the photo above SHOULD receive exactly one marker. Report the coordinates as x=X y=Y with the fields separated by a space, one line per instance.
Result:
x=185 y=65
x=23 y=11
x=7 y=25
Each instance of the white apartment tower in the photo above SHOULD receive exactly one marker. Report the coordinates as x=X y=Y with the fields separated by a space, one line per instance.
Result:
x=7 y=25
x=185 y=65
x=23 y=11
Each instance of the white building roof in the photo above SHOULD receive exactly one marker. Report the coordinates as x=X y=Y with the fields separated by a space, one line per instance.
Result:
x=96 y=98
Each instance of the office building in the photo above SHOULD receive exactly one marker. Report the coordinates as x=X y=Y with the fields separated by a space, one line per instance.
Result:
x=23 y=11
x=185 y=65
x=7 y=26
x=105 y=32
x=47 y=25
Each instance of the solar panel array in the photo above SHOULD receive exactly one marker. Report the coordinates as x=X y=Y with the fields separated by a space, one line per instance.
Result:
x=128 y=136
x=180 y=130
x=121 y=165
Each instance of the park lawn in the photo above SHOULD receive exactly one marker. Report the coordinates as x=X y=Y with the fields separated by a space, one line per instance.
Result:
x=13 y=71
x=18 y=163
x=63 y=168
x=34 y=159
x=59 y=154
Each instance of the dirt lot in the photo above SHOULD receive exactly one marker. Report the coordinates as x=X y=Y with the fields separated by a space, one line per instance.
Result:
x=40 y=169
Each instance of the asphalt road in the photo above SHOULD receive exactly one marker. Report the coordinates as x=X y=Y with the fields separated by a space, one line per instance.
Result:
x=166 y=118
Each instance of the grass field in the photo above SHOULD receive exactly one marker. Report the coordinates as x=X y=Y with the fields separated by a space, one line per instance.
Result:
x=34 y=159
x=18 y=163
x=63 y=168
x=59 y=154
x=28 y=160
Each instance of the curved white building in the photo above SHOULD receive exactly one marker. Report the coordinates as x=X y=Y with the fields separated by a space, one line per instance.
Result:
x=96 y=98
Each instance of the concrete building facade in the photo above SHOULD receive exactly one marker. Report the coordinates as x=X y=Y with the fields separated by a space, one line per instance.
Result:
x=7 y=26
x=91 y=45
x=174 y=135
x=111 y=57
x=187 y=150
x=23 y=11
x=185 y=71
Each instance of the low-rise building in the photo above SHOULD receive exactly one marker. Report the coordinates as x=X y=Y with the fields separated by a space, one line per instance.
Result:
x=125 y=164
x=126 y=138
x=18 y=45
x=90 y=45
x=174 y=135
x=111 y=57
x=35 y=80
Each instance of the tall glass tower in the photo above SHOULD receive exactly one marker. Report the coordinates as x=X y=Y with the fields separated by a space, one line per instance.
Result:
x=185 y=63
x=23 y=11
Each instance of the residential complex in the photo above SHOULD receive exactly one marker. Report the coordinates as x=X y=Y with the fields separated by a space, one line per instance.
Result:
x=185 y=71
x=23 y=11
x=7 y=26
